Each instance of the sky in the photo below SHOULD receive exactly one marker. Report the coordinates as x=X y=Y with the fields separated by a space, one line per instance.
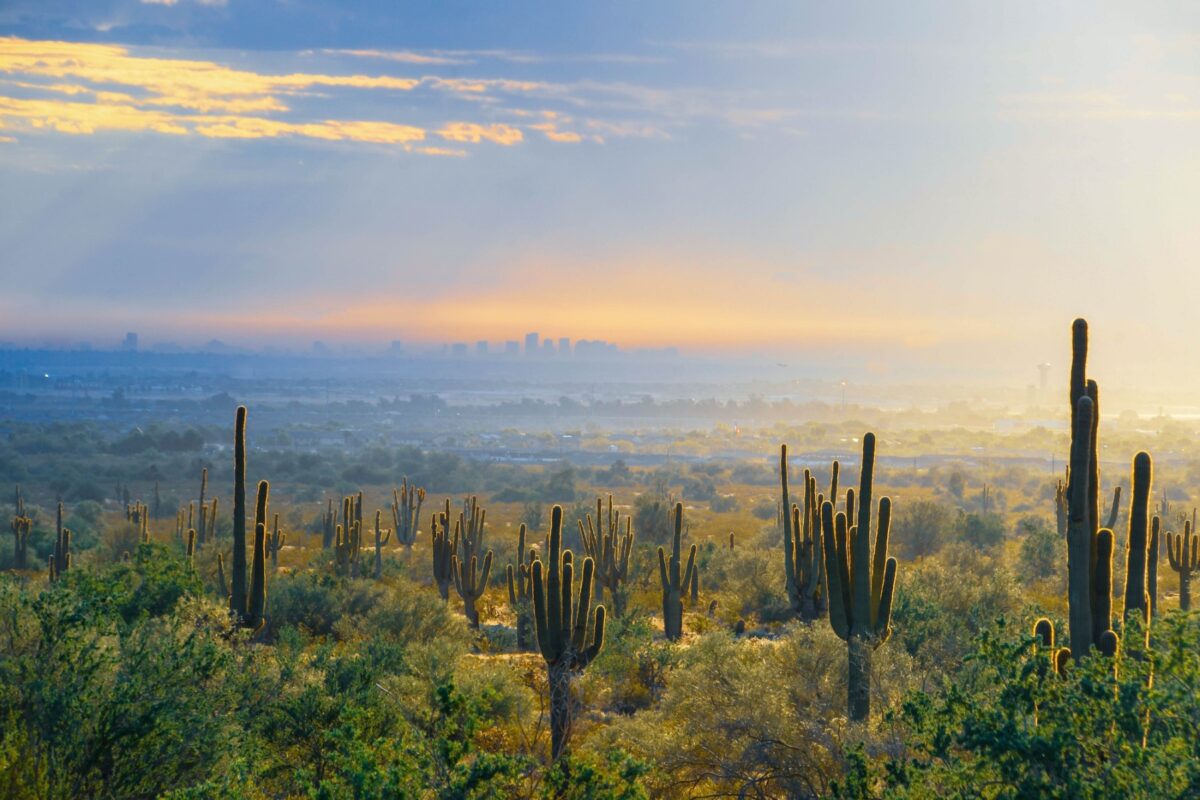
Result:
x=928 y=187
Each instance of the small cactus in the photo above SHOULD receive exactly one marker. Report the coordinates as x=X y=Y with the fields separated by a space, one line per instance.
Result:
x=471 y=583
x=381 y=539
x=1182 y=554
x=609 y=550
x=275 y=540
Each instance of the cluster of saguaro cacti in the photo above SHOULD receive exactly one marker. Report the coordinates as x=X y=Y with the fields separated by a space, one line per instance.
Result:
x=567 y=642
x=406 y=511
x=1090 y=547
x=1182 y=552
x=60 y=559
x=803 y=550
x=275 y=540
x=861 y=580
x=675 y=579
x=247 y=607
x=609 y=549
x=520 y=588
x=21 y=526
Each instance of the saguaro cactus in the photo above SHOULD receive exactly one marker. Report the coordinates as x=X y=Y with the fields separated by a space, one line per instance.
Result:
x=1152 y=564
x=443 y=548
x=20 y=527
x=190 y=551
x=470 y=583
x=609 y=550
x=382 y=537
x=62 y=545
x=275 y=540
x=1182 y=553
x=674 y=580
x=1089 y=549
x=406 y=511
x=1137 y=599
x=520 y=588
x=329 y=526
x=861 y=582
x=803 y=557
x=561 y=621
x=203 y=532
x=237 y=597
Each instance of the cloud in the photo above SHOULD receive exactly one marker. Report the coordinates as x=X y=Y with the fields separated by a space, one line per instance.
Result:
x=475 y=133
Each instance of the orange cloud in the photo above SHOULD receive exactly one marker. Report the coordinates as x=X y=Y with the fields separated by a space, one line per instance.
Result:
x=475 y=133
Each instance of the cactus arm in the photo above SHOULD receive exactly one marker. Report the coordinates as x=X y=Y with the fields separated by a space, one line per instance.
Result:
x=1115 y=509
x=879 y=564
x=593 y=650
x=1136 y=541
x=883 y=614
x=838 y=616
x=237 y=597
x=662 y=570
x=1102 y=585
x=541 y=623
x=861 y=543
x=579 y=637
x=691 y=565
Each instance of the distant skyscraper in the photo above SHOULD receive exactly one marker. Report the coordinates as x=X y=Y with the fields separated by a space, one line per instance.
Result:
x=481 y=348
x=397 y=347
x=458 y=349
x=548 y=347
x=564 y=346
x=531 y=344
x=512 y=347
x=130 y=343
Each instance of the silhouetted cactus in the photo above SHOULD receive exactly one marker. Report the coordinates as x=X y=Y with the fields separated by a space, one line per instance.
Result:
x=862 y=581
x=382 y=537
x=1182 y=553
x=329 y=526
x=1137 y=597
x=675 y=579
x=406 y=512
x=561 y=621
x=21 y=526
x=1114 y=510
x=1152 y=564
x=203 y=529
x=275 y=540
x=610 y=551
x=694 y=590
x=62 y=546
x=1060 y=509
x=222 y=583
x=520 y=588
x=443 y=547
x=237 y=597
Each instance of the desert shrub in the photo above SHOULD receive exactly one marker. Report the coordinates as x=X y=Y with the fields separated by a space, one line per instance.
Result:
x=633 y=665
x=982 y=530
x=922 y=527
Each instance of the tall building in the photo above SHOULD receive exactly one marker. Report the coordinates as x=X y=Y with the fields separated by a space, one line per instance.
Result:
x=548 y=347
x=458 y=349
x=397 y=347
x=531 y=344
x=481 y=347
x=564 y=346
x=130 y=343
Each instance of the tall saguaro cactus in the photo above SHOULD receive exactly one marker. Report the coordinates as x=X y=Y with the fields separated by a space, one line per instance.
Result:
x=803 y=559
x=861 y=582
x=443 y=548
x=561 y=620
x=1089 y=548
x=21 y=526
x=471 y=582
x=1182 y=553
x=237 y=596
x=675 y=579
x=249 y=610
x=1137 y=596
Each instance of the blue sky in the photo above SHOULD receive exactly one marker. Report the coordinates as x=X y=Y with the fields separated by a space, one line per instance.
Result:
x=926 y=184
